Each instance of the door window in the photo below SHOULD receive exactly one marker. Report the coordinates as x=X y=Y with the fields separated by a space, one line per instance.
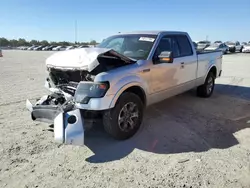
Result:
x=168 y=43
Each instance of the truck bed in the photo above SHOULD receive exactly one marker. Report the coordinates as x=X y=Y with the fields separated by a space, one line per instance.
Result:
x=206 y=51
x=206 y=59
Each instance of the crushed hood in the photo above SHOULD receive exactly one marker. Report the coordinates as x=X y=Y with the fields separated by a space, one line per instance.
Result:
x=83 y=59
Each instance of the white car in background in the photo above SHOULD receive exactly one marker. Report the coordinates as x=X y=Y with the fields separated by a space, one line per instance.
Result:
x=59 y=48
x=234 y=46
x=70 y=47
x=201 y=45
x=246 y=48
x=32 y=47
x=218 y=46
x=244 y=43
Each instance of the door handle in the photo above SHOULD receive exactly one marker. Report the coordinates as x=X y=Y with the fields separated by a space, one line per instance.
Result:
x=182 y=65
x=146 y=70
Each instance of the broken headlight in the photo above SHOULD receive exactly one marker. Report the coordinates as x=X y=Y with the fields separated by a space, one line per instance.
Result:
x=87 y=90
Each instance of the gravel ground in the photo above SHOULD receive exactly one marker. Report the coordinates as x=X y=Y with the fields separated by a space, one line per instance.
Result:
x=185 y=141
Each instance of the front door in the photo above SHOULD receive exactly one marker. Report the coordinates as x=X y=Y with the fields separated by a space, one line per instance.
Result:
x=165 y=75
x=168 y=79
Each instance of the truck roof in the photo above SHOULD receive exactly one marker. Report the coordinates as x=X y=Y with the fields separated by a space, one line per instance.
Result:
x=157 y=32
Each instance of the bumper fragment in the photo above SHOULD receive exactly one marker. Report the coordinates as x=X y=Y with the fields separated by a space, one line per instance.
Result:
x=43 y=113
x=69 y=128
x=68 y=121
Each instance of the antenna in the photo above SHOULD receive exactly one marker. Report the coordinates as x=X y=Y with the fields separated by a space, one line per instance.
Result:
x=75 y=31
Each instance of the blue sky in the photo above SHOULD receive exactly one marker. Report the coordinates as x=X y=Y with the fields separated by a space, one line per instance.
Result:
x=54 y=20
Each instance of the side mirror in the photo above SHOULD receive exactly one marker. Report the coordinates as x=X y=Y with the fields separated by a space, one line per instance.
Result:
x=166 y=57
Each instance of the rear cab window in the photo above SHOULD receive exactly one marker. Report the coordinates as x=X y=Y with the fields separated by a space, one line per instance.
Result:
x=184 y=45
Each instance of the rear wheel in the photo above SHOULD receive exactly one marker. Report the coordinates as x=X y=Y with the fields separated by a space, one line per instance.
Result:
x=206 y=90
x=124 y=120
x=232 y=50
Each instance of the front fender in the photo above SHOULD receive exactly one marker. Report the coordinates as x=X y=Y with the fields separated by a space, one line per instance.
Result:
x=126 y=83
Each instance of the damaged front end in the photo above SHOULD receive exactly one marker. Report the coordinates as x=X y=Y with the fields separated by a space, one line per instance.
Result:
x=67 y=120
x=71 y=81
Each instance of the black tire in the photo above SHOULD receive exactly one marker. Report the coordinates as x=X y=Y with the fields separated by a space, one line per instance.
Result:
x=111 y=117
x=233 y=50
x=241 y=50
x=203 y=91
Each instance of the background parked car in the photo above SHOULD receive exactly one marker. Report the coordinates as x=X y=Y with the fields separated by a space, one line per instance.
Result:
x=218 y=46
x=45 y=48
x=25 y=47
x=70 y=47
x=201 y=45
x=234 y=46
x=243 y=43
x=31 y=47
x=218 y=42
x=195 y=45
x=59 y=48
x=49 y=48
x=83 y=46
x=39 y=48
x=246 y=48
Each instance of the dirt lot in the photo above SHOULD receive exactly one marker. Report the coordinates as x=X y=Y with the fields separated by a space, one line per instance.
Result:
x=185 y=141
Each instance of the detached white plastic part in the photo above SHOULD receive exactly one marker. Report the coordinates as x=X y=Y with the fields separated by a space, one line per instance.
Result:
x=69 y=128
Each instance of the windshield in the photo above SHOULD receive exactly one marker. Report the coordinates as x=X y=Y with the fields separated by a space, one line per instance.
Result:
x=230 y=43
x=133 y=46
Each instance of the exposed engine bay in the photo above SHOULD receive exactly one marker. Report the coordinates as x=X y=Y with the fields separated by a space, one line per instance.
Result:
x=68 y=79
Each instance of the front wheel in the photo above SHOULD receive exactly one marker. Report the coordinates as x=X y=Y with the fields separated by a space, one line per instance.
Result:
x=206 y=90
x=124 y=120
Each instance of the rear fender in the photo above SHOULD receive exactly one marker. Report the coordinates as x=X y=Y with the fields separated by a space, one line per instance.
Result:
x=209 y=69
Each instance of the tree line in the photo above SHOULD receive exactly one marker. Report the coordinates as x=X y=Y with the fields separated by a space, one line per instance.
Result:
x=22 y=42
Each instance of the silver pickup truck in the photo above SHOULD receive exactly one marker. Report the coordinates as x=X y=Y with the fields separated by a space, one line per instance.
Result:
x=118 y=79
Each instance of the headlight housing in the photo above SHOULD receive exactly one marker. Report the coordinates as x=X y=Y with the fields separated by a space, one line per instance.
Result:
x=87 y=90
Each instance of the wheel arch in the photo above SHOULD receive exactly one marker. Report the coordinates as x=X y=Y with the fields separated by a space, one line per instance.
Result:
x=135 y=88
x=212 y=69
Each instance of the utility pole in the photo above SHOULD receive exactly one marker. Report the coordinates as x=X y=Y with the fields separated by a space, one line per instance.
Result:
x=75 y=31
x=207 y=38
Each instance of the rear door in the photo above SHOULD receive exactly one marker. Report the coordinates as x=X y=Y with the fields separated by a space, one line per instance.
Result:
x=188 y=60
